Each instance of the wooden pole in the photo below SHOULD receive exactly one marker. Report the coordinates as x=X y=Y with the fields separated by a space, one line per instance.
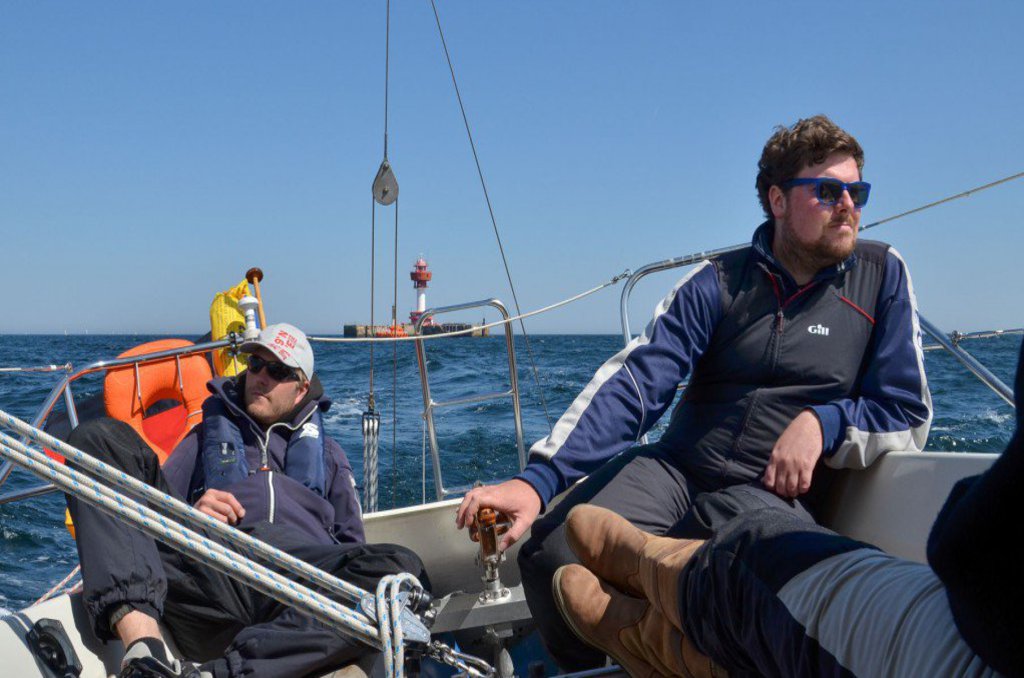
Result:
x=254 y=276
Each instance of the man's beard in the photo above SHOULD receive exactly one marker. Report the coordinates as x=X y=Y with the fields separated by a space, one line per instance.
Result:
x=824 y=252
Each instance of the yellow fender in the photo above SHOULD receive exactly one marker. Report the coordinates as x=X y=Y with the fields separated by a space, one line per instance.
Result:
x=225 y=317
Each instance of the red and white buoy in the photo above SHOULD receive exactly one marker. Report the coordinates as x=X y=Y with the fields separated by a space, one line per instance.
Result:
x=419 y=276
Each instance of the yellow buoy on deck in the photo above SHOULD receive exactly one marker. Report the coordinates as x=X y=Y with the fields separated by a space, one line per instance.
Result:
x=226 y=317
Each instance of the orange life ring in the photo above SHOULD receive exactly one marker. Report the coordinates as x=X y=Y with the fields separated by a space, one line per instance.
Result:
x=129 y=399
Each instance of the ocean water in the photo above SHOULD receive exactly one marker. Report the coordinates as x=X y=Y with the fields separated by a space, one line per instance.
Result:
x=477 y=441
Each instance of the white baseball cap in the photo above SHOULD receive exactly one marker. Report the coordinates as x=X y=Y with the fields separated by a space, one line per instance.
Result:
x=288 y=343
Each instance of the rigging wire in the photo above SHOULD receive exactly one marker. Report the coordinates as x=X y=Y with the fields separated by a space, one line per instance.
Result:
x=383 y=183
x=490 y=210
x=963 y=194
x=394 y=377
x=387 y=69
x=373 y=273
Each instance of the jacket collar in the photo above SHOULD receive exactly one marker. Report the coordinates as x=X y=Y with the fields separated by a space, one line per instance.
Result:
x=762 y=244
x=231 y=391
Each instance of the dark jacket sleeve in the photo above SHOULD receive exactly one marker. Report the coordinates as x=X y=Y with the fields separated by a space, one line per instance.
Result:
x=631 y=390
x=341 y=492
x=975 y=549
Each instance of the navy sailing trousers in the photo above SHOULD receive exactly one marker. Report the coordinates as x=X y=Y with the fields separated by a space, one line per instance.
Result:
x=235 y=630
x=646 y=486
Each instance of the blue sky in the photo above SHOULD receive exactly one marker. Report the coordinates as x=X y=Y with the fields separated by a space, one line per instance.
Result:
x=151 y=153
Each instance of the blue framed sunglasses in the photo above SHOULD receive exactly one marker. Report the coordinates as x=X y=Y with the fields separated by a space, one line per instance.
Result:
x=829 y=191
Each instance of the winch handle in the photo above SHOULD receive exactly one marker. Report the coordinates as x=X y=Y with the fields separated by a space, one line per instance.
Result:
x=488 y=526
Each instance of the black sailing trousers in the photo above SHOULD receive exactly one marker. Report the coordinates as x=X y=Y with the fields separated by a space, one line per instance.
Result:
x=647 y=487
x=235 y=630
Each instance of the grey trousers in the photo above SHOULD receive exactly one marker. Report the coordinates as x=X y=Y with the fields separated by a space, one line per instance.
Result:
x=647 y=486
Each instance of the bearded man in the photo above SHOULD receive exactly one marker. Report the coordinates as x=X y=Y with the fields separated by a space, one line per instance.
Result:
x=803 y=355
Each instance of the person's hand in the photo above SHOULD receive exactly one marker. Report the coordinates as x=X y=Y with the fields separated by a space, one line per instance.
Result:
x=515 y=498
x=794 y=456
x=221 y=505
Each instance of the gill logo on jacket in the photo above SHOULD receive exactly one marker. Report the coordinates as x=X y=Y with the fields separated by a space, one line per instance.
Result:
x=818 y=329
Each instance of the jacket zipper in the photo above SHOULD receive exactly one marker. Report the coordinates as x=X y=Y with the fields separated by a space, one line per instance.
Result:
x=270 y=489
x=264 y=442
x=780 y=316
x=780 y=322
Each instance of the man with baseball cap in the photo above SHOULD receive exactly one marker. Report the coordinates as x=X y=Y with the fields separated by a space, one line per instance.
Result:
x=259 y=461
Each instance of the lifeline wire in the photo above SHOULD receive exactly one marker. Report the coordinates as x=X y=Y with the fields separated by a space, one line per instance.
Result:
x=426 y=337
x=42 y=368
x=494 y=221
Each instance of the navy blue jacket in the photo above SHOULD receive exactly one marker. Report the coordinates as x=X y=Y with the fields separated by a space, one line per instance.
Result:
x=271 y=495
x=758 y=348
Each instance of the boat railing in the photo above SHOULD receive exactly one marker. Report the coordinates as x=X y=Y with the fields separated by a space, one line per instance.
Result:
x=430 y=405
x=63 y=389
x=950 y=343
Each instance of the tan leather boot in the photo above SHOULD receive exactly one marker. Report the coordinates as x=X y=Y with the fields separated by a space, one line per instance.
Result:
x=635 y=562
x=640 y=639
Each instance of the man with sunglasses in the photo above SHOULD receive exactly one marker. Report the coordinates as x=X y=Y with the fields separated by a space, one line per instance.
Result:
x=803 y=356
x=771 y=595
x=261 y=461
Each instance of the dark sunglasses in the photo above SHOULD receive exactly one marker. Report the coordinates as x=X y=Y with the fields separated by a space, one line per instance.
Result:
x=278 y=371
x=830 y=191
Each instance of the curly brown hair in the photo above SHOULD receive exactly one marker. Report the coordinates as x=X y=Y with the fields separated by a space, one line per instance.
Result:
x=808 y=142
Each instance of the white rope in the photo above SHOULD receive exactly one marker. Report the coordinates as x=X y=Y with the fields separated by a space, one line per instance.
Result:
x=238 y=567
x=57 y=587
x=183 y=539
x=371 y=439
x=250 y=547
x=389 y=628
x=474 y=328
